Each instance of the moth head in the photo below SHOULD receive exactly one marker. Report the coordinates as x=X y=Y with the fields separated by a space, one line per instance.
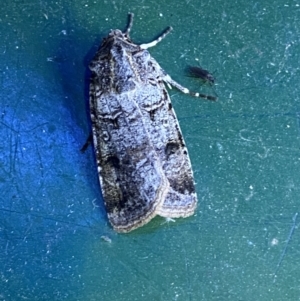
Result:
x=119 y=35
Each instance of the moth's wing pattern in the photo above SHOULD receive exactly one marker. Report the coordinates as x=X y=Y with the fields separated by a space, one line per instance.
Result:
x=143 y=164
x=165 y=134
x=133 y=182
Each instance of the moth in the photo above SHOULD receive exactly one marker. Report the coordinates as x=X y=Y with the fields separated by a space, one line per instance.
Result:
x=143 y=163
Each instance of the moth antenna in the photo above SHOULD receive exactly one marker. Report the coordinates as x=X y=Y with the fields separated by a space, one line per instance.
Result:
x=130 y=23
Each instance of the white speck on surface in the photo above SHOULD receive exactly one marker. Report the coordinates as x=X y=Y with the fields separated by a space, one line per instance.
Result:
x=220 y=147
x=106 y=238
x=250 y=243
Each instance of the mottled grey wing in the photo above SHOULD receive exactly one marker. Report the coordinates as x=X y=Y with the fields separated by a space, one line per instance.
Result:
x=133 y=182
x=165 y=134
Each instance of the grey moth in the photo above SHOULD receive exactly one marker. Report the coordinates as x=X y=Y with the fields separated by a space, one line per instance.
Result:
x=143 y=163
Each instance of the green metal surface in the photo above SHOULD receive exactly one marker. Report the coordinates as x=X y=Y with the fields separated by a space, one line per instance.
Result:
x=242 y=243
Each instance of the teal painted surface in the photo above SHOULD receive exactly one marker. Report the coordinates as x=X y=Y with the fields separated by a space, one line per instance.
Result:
x=245 y=151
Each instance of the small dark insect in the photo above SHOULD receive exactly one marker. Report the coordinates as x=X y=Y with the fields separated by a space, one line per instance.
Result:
x=201 y=73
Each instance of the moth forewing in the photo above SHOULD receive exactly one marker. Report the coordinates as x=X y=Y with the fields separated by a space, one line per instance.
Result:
x=133 y=183
x=163 y=128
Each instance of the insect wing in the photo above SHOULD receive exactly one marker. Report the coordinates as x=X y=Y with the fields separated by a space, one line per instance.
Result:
x=133 y=182
x=164 y=130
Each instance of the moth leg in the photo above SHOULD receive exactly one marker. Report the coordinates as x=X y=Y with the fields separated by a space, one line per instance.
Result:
x=168 y=220
x=169 y=81
x=88 y=142
x=156 y=41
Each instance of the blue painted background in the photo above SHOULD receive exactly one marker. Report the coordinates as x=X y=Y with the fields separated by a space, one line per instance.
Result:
x=242 y=243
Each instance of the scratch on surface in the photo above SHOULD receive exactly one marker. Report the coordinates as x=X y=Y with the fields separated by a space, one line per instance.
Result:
x=94 y=204
x=251 y=194
x=265 y=154
x=243 y=138
x=284 y=58
x=259 y=141
x=27 y=231
x=189 y=290
x=6 y=248
x=14 y=152
x=40 y=163
x=281 y=64
x=285 y=247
